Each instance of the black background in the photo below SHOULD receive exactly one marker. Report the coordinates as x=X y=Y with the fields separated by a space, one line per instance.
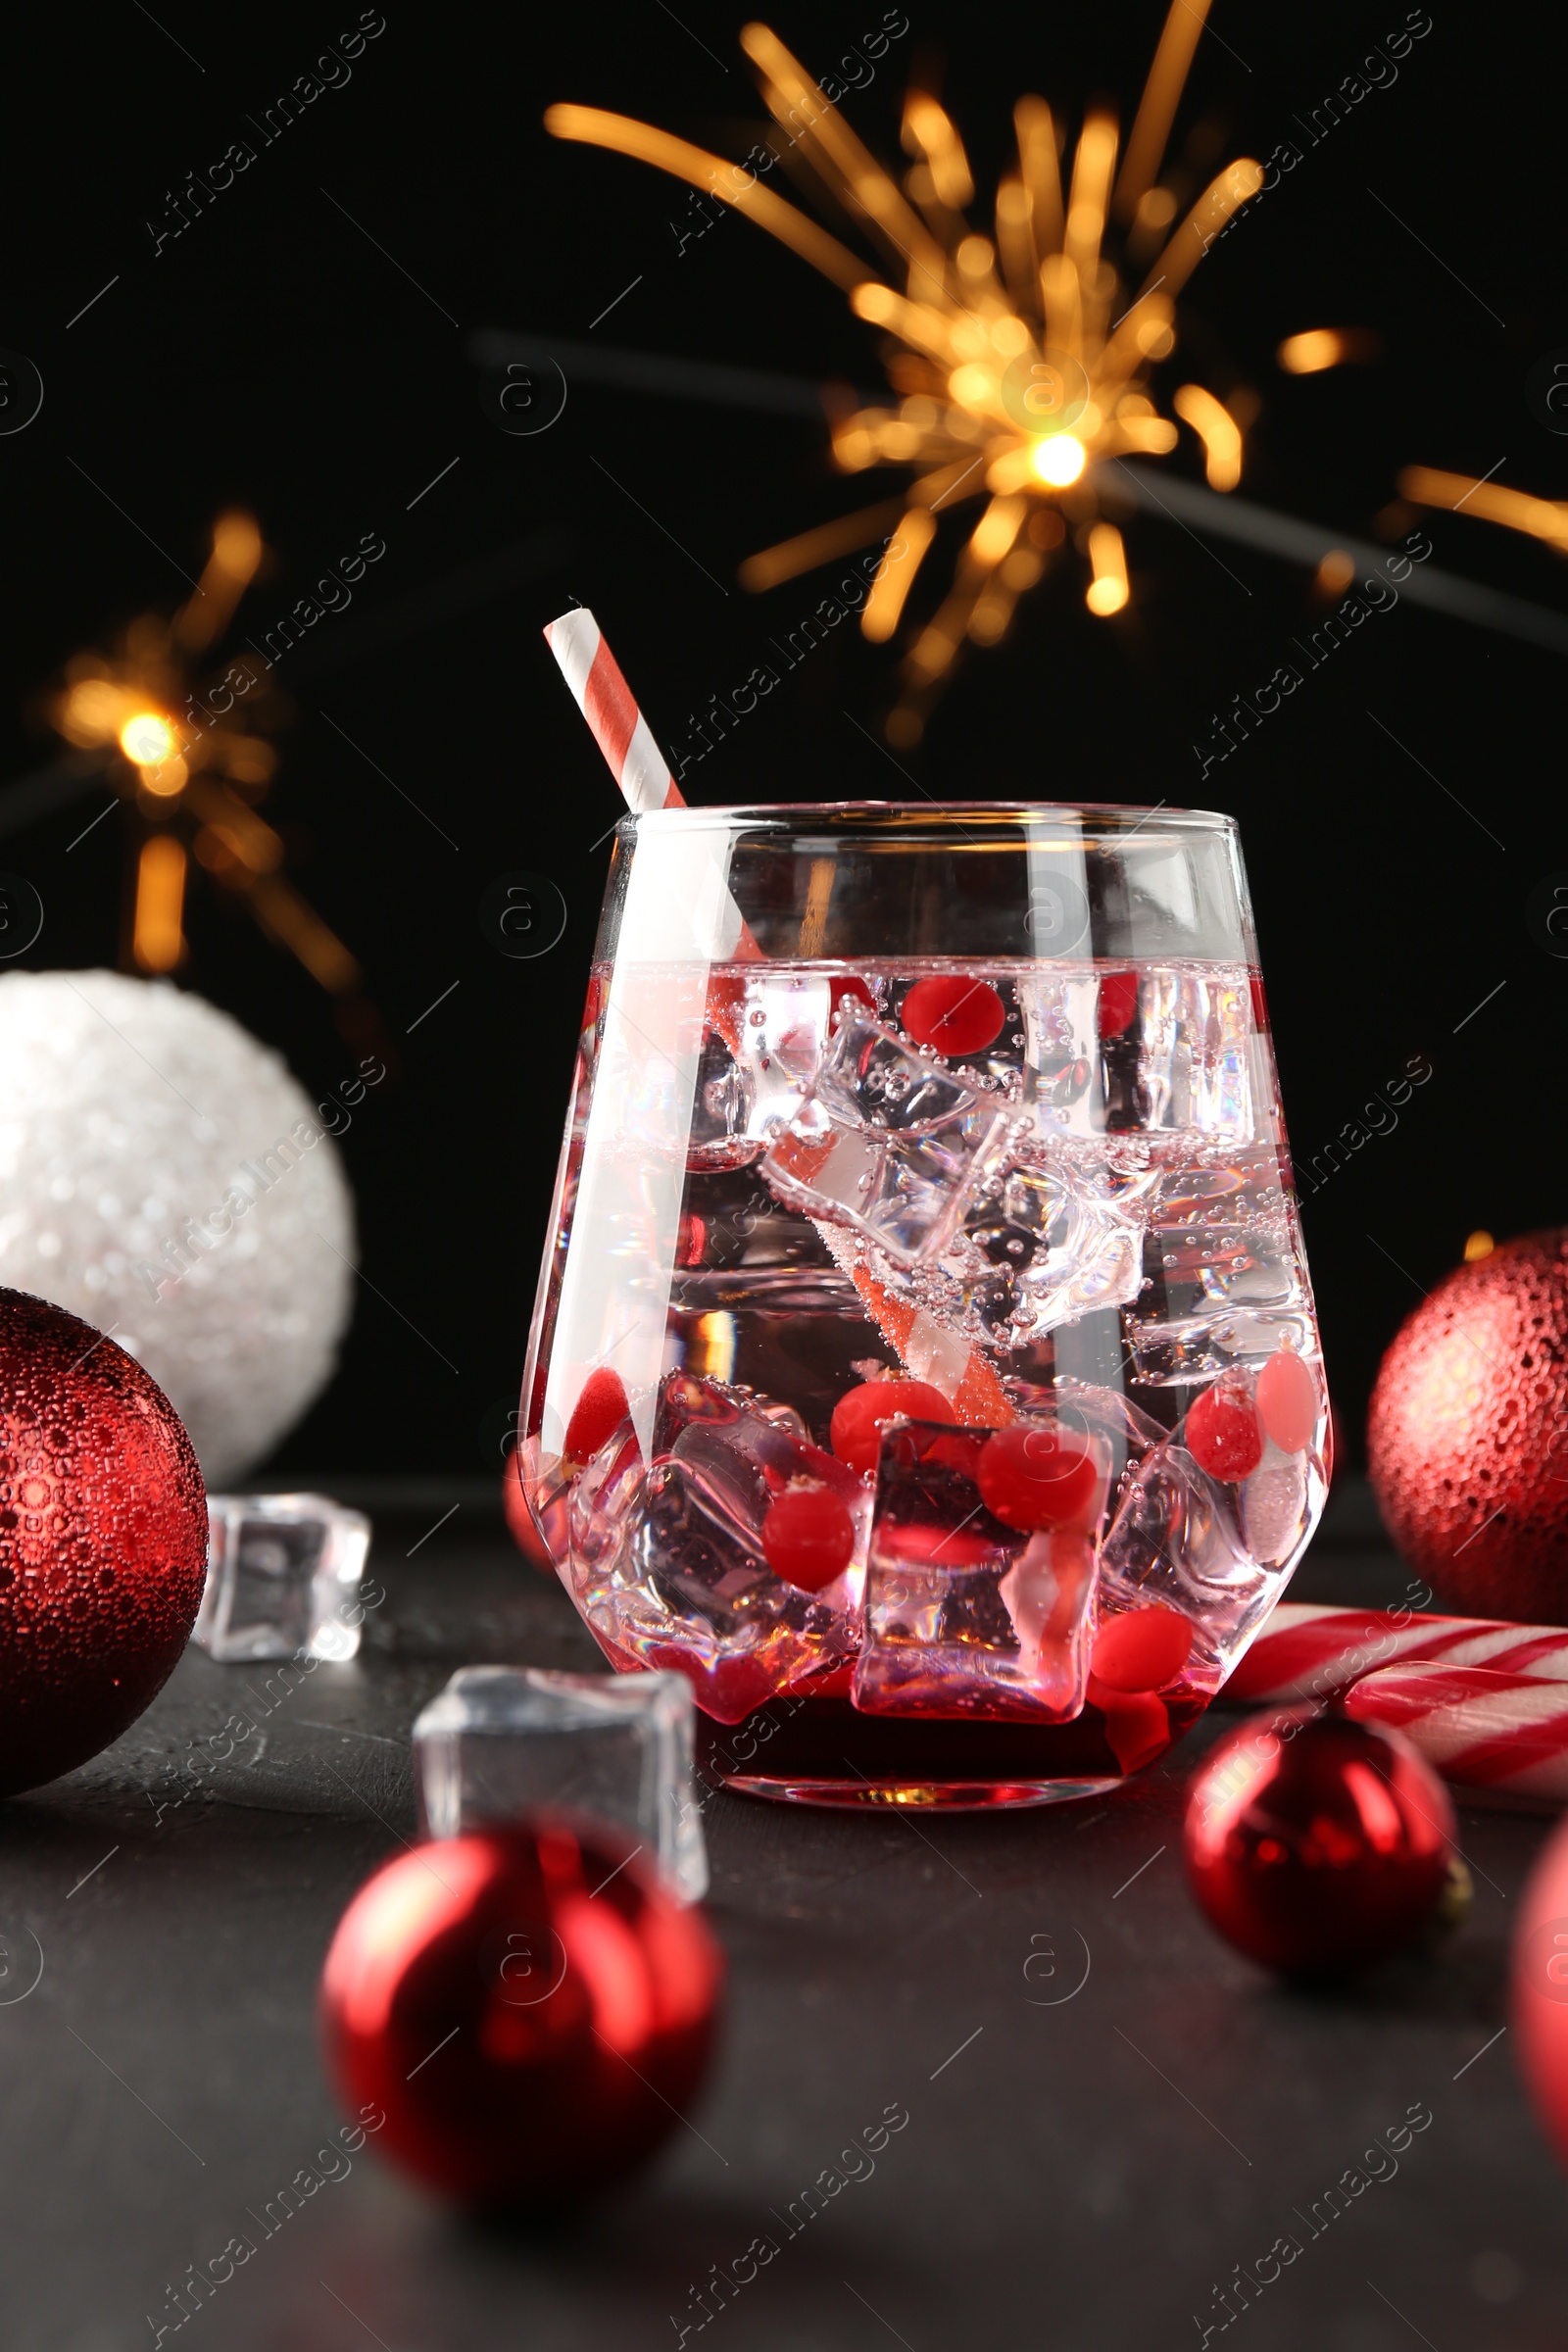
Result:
x=278 y=356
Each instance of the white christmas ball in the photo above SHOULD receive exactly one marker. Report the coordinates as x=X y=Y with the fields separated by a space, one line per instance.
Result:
x=164 y=1177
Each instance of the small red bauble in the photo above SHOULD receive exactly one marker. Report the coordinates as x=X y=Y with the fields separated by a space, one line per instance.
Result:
x=1037 y=1476
x=529 y=2010
x=1142 y=1650
x=1541 y=1988
x=1467 y=1434
x=103 y=1541
x=808 y=1536
x=596 y=1416
x=952 y=1012
x=860 y=1417
x=1316 y=1844
x=1223 y=1436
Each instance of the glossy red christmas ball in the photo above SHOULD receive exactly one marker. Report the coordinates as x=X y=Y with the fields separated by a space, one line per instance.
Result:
x=1540 y=2006
x=1467 y=1434
x=528 y=2008
x=103 y=1541
x=1316 y=1844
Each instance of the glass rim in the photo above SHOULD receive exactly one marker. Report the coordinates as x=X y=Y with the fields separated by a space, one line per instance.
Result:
x=879 y=815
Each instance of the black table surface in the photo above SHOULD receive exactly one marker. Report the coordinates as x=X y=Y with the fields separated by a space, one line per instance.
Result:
x=1108 y=2110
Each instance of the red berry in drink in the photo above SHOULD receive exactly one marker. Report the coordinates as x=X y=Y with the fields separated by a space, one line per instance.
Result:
x=808 y=1536
x=1037 y=1476
x=1287 y=1401
x=1223 y=1435
x=860 y=1418
x=1119 y=1002
x=596 y=1416
x=952 y=1012
x=1143 y=1649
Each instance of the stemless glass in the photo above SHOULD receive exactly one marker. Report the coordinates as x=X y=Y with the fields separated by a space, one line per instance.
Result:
x=924 y=1361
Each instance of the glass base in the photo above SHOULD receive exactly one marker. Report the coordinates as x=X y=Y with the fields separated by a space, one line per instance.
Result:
x=823 y=1752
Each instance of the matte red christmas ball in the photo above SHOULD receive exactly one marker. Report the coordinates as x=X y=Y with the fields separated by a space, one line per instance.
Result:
x=528 y=2008
x=1467 y=1435
x=1540 y=2006
x=1316 y=1844
x=103 y=1541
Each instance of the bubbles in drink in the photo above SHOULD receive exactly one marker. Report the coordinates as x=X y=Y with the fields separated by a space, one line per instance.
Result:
x=1050 y=1201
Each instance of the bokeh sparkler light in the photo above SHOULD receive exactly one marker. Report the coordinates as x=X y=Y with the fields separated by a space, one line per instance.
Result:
x=191 y=762
x=1020 y=358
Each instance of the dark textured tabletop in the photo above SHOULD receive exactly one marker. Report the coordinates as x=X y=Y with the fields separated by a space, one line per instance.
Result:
x=1108 y=2110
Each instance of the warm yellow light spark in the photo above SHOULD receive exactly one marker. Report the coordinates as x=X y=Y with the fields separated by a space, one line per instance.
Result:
x=825 y=545
x=1017 y=362
x=168 y=780
x=929 y=130
x=1059 y=460
x=158 y=942
x=895 y=574
x=1478 y=1244
x=146 y=739
x=1218 y=431
x=238 y=546
x=1321 y=347
x=1540 y=517
x=1335 y=572
x=594 y=127
x=1108 y=590
x=1156 y=108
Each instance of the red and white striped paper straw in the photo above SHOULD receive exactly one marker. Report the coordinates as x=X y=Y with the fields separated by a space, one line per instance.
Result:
x=1309 y=1650
x=1478 y=1726
x=610 y=707
x=641 y=771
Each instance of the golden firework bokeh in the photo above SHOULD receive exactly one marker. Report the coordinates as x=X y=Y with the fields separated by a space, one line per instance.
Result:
x=191 y=767
x=1020 y=358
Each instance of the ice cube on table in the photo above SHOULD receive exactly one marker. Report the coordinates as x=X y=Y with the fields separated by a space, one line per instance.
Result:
x=669 y=1563
x=283 y=1576
x=887 y=1142
x=499 y=1739
x=965 y=1615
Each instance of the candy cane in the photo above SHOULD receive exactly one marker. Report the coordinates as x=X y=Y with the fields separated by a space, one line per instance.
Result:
x=1308 y=1651
x=1478 y=1726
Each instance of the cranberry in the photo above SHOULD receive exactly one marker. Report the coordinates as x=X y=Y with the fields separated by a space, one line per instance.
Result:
x=860 y=1418
x=1142 y=1650
x=1223 y=1435
x=952 y=1012
x=1287 y=1401
x=1037 y=1476
x=1119 y=1002
x=808 y=1536
x=598 y=1413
